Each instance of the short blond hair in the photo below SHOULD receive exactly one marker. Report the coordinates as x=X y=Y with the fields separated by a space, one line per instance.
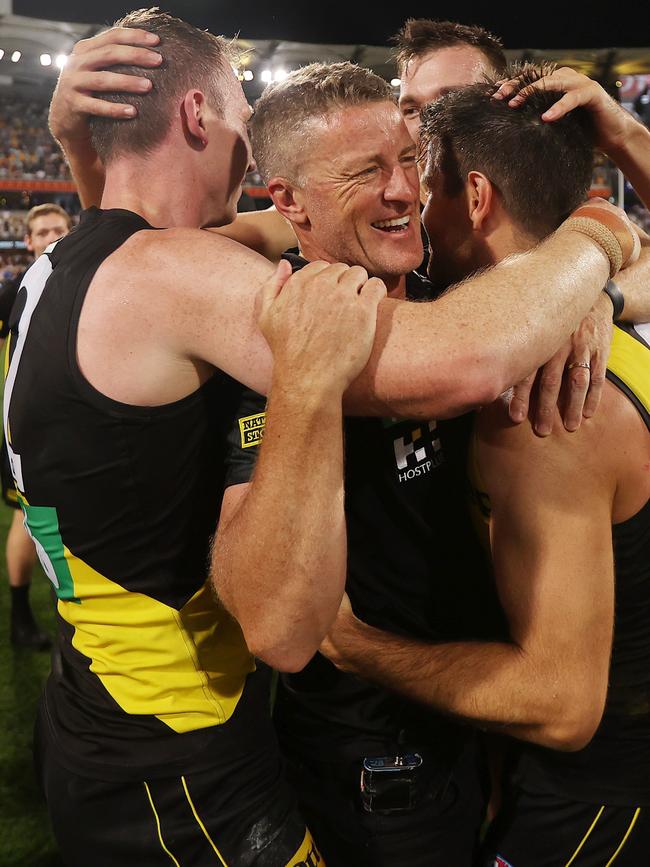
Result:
x=284 y=112
x=42 y=211
x=191 y=58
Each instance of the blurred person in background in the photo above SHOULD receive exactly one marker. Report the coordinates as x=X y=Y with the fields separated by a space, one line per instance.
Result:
x=44 y=225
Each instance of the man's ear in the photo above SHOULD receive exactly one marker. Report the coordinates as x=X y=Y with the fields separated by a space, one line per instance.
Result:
x=193 y=110
x=480 y=199
x=28 y=242
x=288 y=200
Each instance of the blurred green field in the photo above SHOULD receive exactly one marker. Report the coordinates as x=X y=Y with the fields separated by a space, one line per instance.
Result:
x=25 y=836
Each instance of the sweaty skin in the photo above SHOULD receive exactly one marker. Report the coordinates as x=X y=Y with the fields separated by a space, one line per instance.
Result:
x=68 y=119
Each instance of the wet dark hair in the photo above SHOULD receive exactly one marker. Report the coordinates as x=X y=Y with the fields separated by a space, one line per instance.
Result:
x=542 y=170
x=420 y=36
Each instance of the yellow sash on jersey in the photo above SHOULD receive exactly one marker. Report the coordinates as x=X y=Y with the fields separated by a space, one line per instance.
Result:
x=629 y=362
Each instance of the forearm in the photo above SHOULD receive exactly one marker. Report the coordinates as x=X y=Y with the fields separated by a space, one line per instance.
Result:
x=87 y=171
x=634 y=283
x=266 y=232
x=633 y=159
x=441 y=359
x=279 y=565
x=496 y=686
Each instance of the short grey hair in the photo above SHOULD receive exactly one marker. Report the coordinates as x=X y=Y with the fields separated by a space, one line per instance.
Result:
x=280 y=126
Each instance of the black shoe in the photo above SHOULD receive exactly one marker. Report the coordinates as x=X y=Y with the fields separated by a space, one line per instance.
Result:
x=28 y=635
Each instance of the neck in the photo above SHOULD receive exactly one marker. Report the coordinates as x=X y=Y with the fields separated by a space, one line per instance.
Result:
x=395 y=283
x=169 y=197
x=507 y=240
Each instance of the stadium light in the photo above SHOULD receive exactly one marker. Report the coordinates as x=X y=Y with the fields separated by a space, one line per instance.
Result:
x=46 y=60
x=395 y=82
x=280 y=74
x=248 y=75
x=266 y=76
x=61 y=60
x=15 y=57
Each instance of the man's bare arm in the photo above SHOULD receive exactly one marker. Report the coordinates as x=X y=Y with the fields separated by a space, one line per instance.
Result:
x=266 y=232
x=285 y=531
x=461 y=351
x=429 y=360
x=634 y=283
x=551 y=540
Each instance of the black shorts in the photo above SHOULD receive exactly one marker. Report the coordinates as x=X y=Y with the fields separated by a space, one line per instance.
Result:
x=192 y=820
x=441 y=830
x=9 y=494
x=544 y=830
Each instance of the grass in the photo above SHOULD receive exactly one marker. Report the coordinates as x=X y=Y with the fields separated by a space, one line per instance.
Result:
x=25 y=836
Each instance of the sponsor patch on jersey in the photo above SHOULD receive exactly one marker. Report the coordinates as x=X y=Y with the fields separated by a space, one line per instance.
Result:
x=251 y=428
x=501 y=862
x=308 y=855
x=417 y=452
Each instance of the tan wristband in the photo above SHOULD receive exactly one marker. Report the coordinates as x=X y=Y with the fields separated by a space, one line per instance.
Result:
x=603 y=236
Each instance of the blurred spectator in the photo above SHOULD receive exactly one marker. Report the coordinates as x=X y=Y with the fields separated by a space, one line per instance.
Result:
x=13 y=224
x=44 y=224
x=27 y=150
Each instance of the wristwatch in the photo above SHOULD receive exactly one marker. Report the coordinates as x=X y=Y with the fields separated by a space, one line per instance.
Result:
x=616 y=296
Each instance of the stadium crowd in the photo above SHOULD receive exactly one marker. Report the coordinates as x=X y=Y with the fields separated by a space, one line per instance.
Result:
x=361 y=581
x=27 y=150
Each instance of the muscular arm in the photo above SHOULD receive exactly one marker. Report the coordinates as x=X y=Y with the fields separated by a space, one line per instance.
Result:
x=554 y=569
x=429 y=360
x=285 y=532
x=279 y=559
x=266 y=232
x=438 y=360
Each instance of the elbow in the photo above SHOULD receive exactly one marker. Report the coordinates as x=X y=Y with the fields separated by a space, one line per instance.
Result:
x=572 y=724
x=567 y=736
x=285 y=657
x=476 y=385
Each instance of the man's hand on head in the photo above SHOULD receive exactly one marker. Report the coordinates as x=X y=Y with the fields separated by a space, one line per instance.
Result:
x=611 y=122
x=86 y=74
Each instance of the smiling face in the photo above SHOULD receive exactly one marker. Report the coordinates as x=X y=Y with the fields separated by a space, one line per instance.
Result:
x=360 y=191
x=425 y=79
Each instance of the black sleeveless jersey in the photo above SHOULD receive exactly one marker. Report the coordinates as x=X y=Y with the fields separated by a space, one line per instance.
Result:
x=614 y=768
x=414 y=568
x=121 y=502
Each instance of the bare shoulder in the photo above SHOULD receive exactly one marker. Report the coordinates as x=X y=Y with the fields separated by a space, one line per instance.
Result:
x=510 y=452
x=195 y=249
x=191 y=263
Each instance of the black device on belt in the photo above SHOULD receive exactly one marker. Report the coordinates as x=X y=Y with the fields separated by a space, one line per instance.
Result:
x=391 y=783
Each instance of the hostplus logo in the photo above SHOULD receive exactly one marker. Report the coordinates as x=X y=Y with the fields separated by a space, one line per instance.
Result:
x=418 y=453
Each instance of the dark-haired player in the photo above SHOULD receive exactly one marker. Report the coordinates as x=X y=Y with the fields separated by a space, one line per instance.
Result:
x=569 y=527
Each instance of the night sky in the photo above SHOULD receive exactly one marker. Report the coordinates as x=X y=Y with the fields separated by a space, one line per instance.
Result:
x=520 y=25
